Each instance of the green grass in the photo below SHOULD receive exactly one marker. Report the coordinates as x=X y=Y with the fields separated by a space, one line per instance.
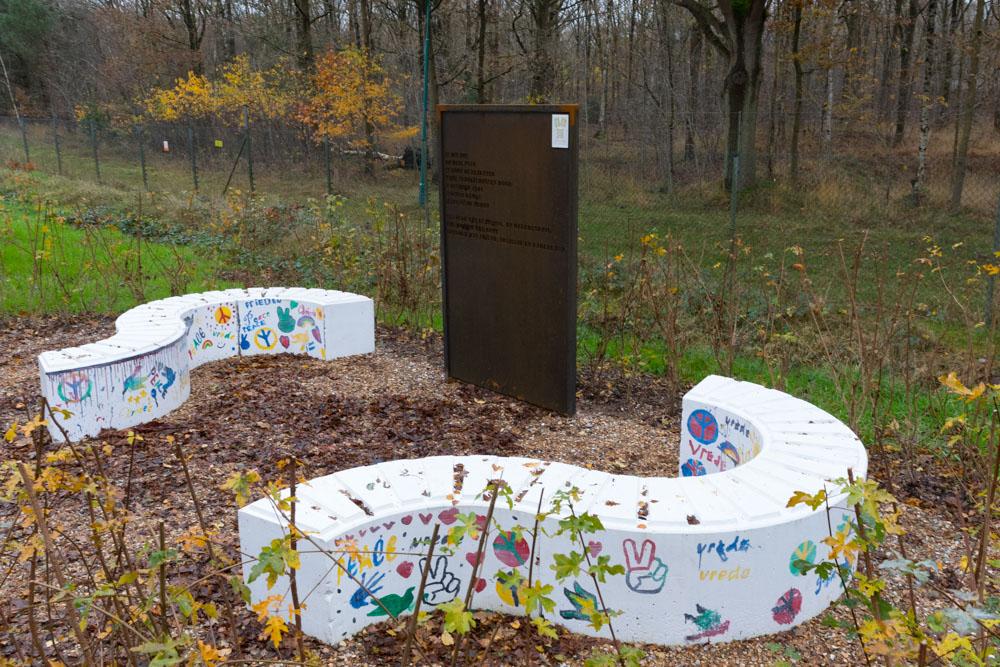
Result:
x=48 y=265
x=816 y=383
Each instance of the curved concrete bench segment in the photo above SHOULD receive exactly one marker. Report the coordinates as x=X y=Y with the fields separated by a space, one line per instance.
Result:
x=708 y=557
x=143 y=371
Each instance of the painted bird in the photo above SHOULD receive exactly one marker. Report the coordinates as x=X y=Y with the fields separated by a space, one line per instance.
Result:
x=396 y=604
x=581 y=599
x=730 y=451
x=706 y=618
x=135 y=381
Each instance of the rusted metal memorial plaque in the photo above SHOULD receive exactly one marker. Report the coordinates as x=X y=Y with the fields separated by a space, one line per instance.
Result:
x=508 y=243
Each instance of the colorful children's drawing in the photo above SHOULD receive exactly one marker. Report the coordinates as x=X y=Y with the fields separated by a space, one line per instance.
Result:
x=703 y=427
x=584 y=603
x=394 y=604
x=805 y=552
x=75 y=387
x=708 y=622
x=644 y=572
x=788 y=606
x=510 y=549
x=693 y=468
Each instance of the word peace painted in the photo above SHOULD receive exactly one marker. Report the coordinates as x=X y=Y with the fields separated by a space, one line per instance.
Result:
x=360 y=560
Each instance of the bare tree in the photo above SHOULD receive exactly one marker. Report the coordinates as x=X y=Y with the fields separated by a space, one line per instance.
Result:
x=968 y=109
x=738 y=36
x=927 y=100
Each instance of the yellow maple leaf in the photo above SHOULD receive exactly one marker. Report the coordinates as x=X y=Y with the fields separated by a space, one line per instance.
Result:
x=955 y=385
x=274 y=629
x=262 y=608
x=209 y=654
x=840 y=547
x=950 y=643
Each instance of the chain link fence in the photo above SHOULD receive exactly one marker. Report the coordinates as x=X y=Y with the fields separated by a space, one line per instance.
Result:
x=833 y=181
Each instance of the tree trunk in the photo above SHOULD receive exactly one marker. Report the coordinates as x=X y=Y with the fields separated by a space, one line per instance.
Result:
x=228 y=30
x=481 y=97
x=545 y=18
x=772 y=122
x=434 y=126
x=739 y=37
x=793 y=168
x=694 y=68
x=742 y=88
x=950 y=79
x=189 y=16
x=892 y=42
x=304 y=57
x=927 y=102
x=905 y=89
x=968 y=109
x=666 y=43
x=828 y=88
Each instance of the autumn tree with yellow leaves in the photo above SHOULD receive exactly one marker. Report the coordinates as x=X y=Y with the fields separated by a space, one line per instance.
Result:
x=351 y=100
x=265 y=94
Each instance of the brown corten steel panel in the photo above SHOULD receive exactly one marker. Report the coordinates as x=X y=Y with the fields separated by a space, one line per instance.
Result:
x=508 y=242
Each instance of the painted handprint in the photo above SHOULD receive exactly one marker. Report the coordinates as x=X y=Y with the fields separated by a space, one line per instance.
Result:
x=442 y=586
x=369 y=586
x=644 y=572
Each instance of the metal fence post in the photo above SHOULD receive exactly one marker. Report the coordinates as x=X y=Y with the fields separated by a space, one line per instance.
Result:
x=734 y=183
x=194 y=160
x=246 y=126
x=326 y=155
x=142 y=157
x=93 y=144
x=55 y=140
x=24 y=139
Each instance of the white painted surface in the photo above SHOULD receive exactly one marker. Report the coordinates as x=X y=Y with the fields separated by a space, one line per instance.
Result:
x=665 y=531
x=142 y=372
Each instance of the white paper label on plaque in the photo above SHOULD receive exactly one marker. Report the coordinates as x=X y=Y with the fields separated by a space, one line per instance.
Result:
x=560 y=130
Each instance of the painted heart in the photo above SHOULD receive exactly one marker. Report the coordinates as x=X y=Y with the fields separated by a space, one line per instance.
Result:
x=481 y=521
x=448 y=516
x=595 y=547
x=376 y=528
x=405 y=569
x=426 y=518
x=317 y=335
x=473 y=558
x=364 y=531
x=285 y=342
x=409 y=517
x=389 y=525
x=480 y=584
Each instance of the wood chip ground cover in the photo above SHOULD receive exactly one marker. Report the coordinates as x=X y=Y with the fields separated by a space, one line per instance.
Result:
x=250 y=413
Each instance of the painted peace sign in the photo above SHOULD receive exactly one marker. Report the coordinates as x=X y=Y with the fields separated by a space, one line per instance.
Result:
x=442 y=586
x=703 y=427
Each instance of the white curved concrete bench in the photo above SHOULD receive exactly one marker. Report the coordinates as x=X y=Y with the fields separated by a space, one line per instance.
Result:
x=143 y=371
x=708 y=557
